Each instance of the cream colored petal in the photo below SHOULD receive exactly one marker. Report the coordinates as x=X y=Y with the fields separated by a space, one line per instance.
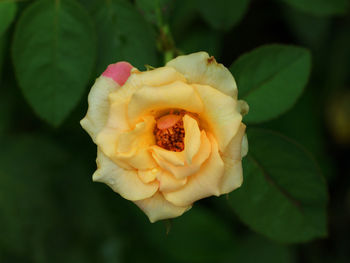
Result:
x=182 y=171
x=158 y=76
x=141 y=136
x=117 y=118
x=138 y=159
x=175 y=158
x=167 y=182
x=203 y=184
x=234 y=149
x=233 y=176
x=129 y=149
x=245 y=146
x=220 y=113
x=192 y=145
x=157 y=208
x=149 y=175
x=125 y=182
x=202 y=69
x=98 y=111
x=151 y=99
x=192 y=138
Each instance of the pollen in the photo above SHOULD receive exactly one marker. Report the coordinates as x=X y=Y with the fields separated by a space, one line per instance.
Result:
x=169 y=132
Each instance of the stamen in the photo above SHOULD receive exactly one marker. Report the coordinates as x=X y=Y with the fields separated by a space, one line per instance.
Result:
x=170 y=133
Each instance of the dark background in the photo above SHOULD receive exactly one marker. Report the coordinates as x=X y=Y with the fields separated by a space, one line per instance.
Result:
x=50 y=211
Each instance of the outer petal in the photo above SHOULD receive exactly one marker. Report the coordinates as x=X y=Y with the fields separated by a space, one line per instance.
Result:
x=137 y=79
x=124 y=182
x=202 y=69
x=234 y=149
x=157 y=208
x=158 y=77
x=203 y=184
x=233 y=175
x=220 y=113
x=97 y=114
x=151 y=99
x=232 y=157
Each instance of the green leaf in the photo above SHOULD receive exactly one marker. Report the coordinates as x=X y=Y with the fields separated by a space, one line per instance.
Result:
x=153 y=10
x=264 y=251
x=204 y=40
x=191 y=237
x=26 y=203
x=7 y=14
x=53 y=54
x=320 y=7
x=123 y=34
x=2 y=53
x=271 y=78
x=222 y=14
x=283 y=195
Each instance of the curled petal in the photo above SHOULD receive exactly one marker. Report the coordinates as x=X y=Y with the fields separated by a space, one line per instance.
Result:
x=245 y=146
x=204 y=183
x=130 y=149
x=170 y=157
x=125 y=182
x=158 y=77
x=192 y=145
x=220 y=113
x=202 y=69
x=233 y=175
x=182 y=171
x=167 y=182
x=234 y=149
x=149 y=175
x=97 y=114
x=192 y=138
x=157 y=208
x=151 y=99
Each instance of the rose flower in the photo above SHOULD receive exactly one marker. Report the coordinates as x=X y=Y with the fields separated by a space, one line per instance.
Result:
x=170 y=136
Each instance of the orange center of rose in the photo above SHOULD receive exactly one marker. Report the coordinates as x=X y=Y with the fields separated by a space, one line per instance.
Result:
x=169 y=132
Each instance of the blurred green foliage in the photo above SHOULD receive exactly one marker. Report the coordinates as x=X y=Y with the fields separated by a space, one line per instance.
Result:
x=52 y=50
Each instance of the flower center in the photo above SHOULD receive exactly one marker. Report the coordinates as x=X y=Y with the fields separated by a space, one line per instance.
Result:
x=169 y=132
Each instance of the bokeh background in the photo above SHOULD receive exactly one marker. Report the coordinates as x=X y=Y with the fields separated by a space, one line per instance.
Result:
x=51 y=211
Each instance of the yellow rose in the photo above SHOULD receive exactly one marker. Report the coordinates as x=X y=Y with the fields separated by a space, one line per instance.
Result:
x=169 y=136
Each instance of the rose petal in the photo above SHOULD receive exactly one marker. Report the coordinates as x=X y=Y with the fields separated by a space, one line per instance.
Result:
x=97 y=114
x=149 y=175
x=157 y=208
x=233 y=176
x=203 y=184
x=220 y=113
x=234 y=148
x=192 y=138
x=150 y=99
x=124 y=182
x=186 y=170
x=119 y=72
x=202 y=69
x=192 y=143
x=158 y=77
x=167 y=182
x=129 y=149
